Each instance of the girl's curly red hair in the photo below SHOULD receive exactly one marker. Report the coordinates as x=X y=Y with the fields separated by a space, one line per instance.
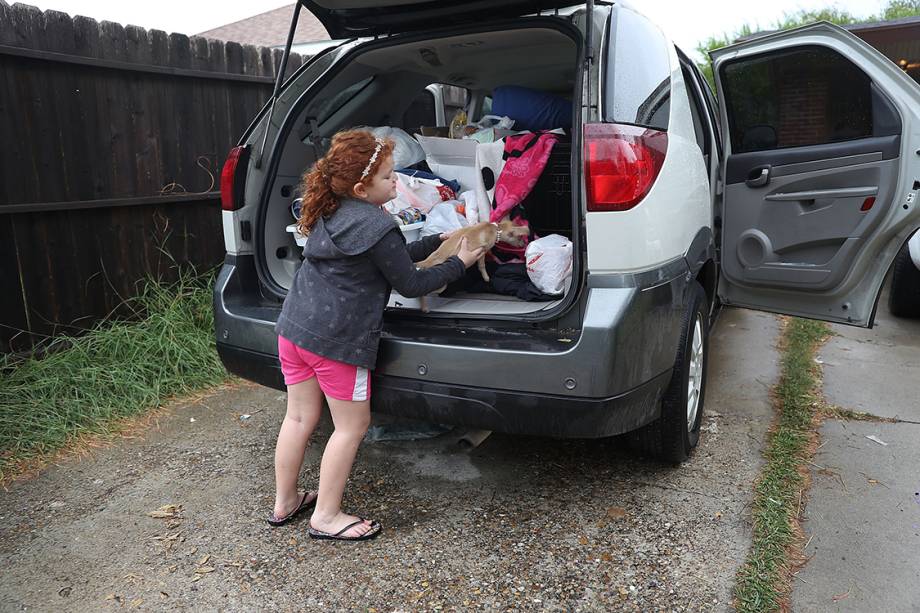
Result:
x=335 y=174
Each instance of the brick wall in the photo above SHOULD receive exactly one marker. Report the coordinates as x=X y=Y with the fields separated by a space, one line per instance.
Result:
x=802 y=107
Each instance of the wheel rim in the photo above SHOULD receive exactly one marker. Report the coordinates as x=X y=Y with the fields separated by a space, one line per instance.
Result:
x=695 y=378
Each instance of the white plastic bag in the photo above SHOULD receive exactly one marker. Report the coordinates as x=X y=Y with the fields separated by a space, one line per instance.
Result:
x=495 y=121
x=549 y=263
x=442 y=218
x=488 y=129
x=406 y=151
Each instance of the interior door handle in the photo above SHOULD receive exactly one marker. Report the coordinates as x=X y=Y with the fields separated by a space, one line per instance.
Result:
x=759 y=176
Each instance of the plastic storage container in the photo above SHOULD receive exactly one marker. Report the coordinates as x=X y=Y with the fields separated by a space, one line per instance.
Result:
x=299 y=238
x=411 y=231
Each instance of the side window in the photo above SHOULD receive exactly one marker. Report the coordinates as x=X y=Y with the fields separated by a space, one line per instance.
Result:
x=806 y=96
x=486 y=106
x=455 y=99
x=328 y=102
x=637 y=83
x=327 y=107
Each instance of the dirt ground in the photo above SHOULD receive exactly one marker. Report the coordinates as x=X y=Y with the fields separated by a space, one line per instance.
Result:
x=518 y=523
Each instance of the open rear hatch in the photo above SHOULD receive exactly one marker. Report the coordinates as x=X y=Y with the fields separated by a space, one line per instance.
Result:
x=374 y=84
x=357 y=18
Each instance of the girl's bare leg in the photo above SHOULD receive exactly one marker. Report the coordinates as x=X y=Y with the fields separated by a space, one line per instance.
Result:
x=304 y=406
x=351 y=421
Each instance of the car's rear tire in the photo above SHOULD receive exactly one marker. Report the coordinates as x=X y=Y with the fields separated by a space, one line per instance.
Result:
x=674 y=435
x=904 y=293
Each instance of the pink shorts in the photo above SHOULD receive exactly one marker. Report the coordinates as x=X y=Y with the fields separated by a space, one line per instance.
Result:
x=337 y=379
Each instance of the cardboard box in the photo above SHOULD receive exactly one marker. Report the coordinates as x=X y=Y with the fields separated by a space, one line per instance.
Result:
x=441 y=131
x=451 y=158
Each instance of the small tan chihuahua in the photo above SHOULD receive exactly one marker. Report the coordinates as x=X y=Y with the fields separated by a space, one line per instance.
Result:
x=483 y=235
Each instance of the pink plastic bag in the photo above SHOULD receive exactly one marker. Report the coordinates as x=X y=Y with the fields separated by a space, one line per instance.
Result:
x=526 y=156
x=419 y=193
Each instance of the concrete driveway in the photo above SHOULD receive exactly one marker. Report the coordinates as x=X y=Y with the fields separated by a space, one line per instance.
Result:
x=519 y=522
x=863 y=514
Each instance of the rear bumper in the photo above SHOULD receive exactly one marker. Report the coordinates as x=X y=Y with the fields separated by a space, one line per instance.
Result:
x=261 y=368
x=601 y=379
x=519 y=413
x=473 y=407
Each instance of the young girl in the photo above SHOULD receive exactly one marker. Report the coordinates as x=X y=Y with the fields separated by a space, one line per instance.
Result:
x=329 y=326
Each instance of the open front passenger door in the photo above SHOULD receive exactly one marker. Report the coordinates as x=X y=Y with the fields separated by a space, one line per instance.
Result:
x=821 y=172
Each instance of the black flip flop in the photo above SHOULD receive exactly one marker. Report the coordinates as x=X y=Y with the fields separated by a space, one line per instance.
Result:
x=319 y=534
x=303 y=506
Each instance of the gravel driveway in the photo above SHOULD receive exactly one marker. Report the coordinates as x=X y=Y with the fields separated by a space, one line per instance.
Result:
x=518 y=523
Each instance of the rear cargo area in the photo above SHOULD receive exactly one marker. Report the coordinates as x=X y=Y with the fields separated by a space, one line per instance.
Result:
x=447 y=102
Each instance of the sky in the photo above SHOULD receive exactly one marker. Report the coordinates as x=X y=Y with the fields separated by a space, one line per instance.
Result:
x=687 y=23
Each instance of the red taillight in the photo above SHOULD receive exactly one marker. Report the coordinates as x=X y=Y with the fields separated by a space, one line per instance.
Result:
x=231 y=181
x=621 y=164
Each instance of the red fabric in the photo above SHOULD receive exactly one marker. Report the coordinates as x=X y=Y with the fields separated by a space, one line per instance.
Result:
x=447 y=193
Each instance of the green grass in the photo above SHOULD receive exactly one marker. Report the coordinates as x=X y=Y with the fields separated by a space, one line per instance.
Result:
x=85 y=384
x=763 y=580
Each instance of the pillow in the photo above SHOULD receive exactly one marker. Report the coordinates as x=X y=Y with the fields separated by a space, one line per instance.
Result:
x=531 y=109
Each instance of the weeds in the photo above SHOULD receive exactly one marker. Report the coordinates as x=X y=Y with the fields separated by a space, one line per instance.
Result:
x=83 y=384
x=836 y=412
x=763 y=580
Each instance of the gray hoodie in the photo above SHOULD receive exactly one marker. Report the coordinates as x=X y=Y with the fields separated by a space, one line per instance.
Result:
x=352 y=260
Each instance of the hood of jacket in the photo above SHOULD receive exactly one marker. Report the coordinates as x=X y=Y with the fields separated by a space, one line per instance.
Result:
x=353 y=228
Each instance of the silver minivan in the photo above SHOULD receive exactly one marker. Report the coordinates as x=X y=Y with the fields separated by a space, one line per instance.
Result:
x=791 y=192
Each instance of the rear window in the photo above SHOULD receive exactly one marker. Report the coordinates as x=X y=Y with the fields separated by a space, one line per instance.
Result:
x=637 y=79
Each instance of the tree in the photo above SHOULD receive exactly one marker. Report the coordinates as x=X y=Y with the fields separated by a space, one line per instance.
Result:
x=898 y=9
x=895 y=9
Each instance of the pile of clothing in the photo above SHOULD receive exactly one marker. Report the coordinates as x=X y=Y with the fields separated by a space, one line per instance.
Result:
x=417 y=192
x=498 y=167
x=483 y=173
x=491 y=170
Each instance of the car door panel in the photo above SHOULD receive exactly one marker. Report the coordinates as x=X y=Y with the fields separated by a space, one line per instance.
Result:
x=797 y=230
x=820 y=138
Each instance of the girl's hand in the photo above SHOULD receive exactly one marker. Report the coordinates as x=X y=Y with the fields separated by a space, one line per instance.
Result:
x=469 y=257
x=447 y=235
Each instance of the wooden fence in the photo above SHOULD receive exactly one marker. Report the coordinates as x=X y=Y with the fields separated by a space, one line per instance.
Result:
x=111 y=143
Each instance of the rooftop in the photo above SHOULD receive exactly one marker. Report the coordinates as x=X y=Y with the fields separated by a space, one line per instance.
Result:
x=270 y=29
